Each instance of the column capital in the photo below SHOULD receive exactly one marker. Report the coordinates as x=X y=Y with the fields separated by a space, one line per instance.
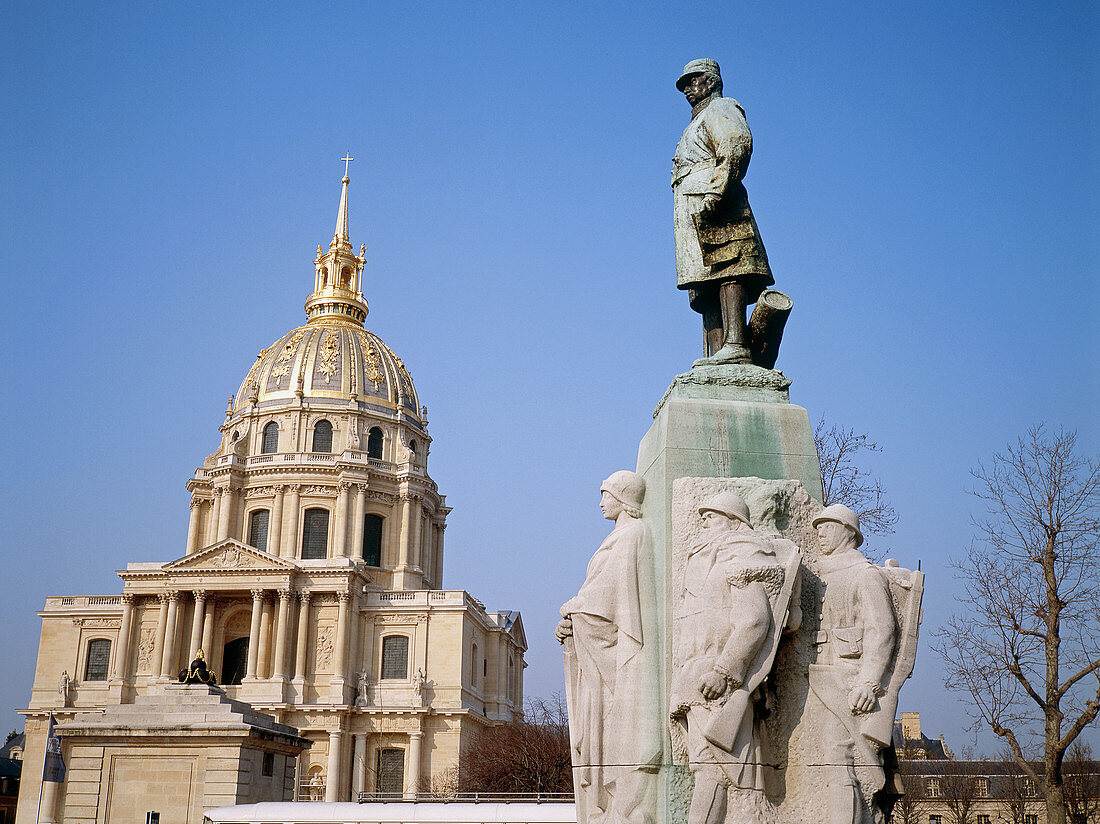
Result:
x=285 y=593
x=278 y=489
x=344 y=486
x=196 y=501
x=304 y=595
x=257 y=595
x=128 y=598
x=162 y=597
x=199 y=594
x=174 y=595
x=343 y=595
x=361 y=488
x=294 y=488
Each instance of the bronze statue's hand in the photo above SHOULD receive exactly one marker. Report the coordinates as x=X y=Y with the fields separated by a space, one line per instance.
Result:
x=710 y=203
x=564 y=630
x=713 y=685
x=862 y=698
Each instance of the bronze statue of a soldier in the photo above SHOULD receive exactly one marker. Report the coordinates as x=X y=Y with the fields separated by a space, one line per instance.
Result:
x=719 y=257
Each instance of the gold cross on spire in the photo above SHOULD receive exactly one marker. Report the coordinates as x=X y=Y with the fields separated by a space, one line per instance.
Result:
x=347 y=158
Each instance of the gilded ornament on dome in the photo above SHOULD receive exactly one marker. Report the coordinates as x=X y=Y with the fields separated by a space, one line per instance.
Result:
x=373 y=373
x=282 y=363
x=329 y=355
x=250 y=379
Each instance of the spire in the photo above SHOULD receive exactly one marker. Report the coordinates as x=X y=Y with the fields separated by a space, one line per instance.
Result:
x=337 y=287
x=341 y=234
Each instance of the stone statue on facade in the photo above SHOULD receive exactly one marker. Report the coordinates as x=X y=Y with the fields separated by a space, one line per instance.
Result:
x=418 y=684
x=866 y=649
x=362 y=689
x=736 y=597
x=63 y=687
x=720 y=259
x=608 y=631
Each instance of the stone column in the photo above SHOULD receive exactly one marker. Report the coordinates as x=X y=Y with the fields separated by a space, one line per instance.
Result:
x=282 y=629
x=403 y=540
x=122 y=654
x=415 y=743
x=162 y=626
x=263 y=665
x=171 y=634
x=290 y=536
x=303 y=635
x=332 y=784
x=229 y=514
x=254 y=633
x=275 y=526
x=339 y=676
x=208 y=629
x=194 y=525
x=359 y=767
x=215 y=530
x=340 y=528
x=413 y=552
x=357 y=522
x=195 y=640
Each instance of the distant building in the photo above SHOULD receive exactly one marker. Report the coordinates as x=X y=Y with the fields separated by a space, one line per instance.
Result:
x=910 y=743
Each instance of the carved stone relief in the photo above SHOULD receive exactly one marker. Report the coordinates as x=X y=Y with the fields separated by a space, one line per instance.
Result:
x=324 y=648
x=146 y=645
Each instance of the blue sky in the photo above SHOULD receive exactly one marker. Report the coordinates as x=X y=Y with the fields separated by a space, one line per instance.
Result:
x=924 y=177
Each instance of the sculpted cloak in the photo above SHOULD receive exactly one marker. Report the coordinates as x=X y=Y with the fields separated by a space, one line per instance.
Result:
x=712 y=158
x=611 y=677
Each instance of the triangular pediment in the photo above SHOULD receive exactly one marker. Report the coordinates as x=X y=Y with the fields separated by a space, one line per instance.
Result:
x=229 y=555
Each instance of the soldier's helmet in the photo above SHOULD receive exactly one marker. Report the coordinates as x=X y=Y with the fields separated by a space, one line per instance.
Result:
x=626 y=487
x=703 y=65
x=729 y=504
x=841 y=515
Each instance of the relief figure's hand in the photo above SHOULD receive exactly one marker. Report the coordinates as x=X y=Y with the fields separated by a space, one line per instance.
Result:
x=710 y=204
x=862 y=698
x=564 y=630
x=713 y=685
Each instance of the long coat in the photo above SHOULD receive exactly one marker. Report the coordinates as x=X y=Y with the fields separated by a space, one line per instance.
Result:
x=712 y=158
x=611 y=674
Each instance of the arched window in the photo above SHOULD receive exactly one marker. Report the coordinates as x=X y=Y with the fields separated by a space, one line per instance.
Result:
x=98 y=660
x=322 y=436
x=235 y=660
x=257 y=528
x=395 y=657
x=391 y=772
x=412 y=446
x=372 y=539
x=315 y=533
x=374 y=443
x=271 y=439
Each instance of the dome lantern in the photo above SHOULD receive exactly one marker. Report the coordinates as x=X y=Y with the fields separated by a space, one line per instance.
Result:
x=337 y=288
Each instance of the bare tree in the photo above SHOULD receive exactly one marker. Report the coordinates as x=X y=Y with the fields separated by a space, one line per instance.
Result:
x=1017 y=794
x=960 y=796
x=844 y=482
x=1027 y=651
x=908 y=809
x=1082 y=785
x=530 y=755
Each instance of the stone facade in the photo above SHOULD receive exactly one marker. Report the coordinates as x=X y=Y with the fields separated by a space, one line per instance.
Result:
x=311 y=575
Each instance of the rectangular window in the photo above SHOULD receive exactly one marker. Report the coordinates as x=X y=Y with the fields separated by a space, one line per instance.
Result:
x=1031 y=818
x=935 y=819
x=315 y=533
x=391 y=772
x=932 y=789
x=983 y=819
x=395 y=657
x=1029 y=791
x=981 y=790
x=269 y=763
x=473 y=666
x=99 y=656
x=372 y=539
x=257 y=529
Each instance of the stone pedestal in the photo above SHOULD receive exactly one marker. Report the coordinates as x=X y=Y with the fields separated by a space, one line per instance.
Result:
x=178 y=753
x=720 y=422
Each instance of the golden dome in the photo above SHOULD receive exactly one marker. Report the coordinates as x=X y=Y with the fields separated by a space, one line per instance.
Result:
x=331 y=361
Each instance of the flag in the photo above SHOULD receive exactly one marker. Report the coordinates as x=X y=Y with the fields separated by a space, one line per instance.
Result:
x=53 y=769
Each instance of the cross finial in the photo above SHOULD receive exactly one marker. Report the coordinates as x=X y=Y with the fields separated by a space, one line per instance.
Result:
x=347 y=158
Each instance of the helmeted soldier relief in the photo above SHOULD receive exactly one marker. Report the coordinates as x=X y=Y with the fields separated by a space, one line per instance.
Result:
x=608 y=631
x=720 y=259
x=736 y=596
x=856 y=652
